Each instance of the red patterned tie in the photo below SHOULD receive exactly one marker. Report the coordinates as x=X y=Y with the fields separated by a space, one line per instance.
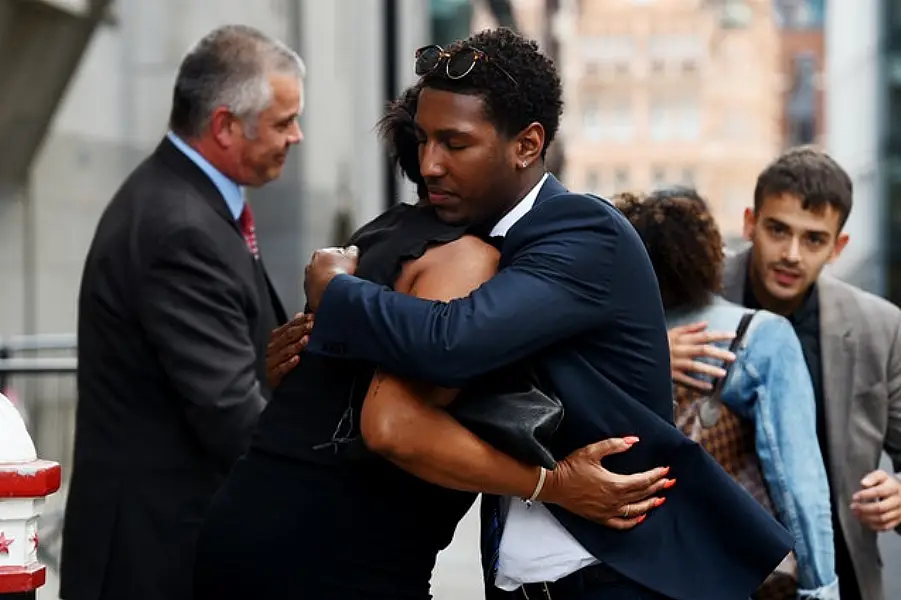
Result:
x=245 y=222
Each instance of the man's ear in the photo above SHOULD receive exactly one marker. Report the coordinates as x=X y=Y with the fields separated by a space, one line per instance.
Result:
x=750 y=224
x=840 y=243
x=529 y=145
x=222 y=126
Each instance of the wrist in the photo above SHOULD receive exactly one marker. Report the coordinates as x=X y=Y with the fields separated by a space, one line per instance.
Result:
x=539 y=487
x=551 y=490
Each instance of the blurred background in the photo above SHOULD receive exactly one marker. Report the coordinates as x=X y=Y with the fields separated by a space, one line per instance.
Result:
x=695 y=92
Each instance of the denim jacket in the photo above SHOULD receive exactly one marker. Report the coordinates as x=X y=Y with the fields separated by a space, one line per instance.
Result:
x=769 y=384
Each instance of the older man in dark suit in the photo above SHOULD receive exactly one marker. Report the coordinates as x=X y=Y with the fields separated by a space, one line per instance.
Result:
x=175 y=315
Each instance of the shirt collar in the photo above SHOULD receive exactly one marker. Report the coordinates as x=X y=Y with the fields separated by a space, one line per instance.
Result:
x=232 y=193
x=519 y=211
x=808 y=310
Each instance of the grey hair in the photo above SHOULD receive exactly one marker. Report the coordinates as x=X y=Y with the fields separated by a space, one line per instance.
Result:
x=229 y=67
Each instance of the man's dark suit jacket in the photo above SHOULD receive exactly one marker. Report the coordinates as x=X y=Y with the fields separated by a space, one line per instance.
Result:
x=577 y=290
x=173 y=321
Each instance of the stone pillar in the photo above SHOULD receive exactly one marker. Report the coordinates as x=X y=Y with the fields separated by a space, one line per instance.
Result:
x=25 y=482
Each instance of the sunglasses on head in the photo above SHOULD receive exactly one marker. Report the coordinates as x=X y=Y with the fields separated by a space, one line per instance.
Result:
x=458 y=63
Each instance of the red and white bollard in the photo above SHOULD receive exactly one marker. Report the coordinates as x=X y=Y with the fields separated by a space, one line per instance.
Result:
x=25 y=482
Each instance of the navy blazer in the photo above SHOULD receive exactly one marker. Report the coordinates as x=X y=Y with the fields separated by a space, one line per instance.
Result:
x=576 y=289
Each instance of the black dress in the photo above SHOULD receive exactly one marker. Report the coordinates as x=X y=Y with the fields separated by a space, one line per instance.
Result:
x=309 y=513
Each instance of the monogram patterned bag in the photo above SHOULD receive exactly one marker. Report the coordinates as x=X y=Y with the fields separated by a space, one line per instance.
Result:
x=729 y=438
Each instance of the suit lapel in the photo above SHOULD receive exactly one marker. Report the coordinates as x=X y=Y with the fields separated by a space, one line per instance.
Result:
x=838 y=355
x=552 y=187
x=176 y=160
x=185 y=168
x=281 y=315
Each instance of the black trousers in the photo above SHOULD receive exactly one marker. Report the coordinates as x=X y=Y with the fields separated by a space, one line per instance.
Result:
x=281 y=529
x=598 y=582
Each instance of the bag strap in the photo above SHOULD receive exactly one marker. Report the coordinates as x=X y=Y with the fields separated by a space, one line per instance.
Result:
x=740 y=332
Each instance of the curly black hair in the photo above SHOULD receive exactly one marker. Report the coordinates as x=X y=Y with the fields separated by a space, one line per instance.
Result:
x=683 y=242
x=812 y=175
x=397 y=131
x=536 y=95
x=679 y=191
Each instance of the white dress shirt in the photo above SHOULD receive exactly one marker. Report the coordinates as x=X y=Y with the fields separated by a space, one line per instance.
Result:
x=535 y=547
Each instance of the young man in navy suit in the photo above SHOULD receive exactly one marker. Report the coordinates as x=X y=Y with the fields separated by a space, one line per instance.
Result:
x=576 y=289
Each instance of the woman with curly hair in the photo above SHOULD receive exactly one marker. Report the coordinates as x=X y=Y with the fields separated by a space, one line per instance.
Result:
x=767 y=387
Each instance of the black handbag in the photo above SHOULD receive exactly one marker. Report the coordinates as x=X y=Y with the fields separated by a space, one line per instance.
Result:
x=511 y=410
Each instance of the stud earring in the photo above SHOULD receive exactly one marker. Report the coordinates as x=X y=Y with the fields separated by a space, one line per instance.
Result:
x=525 y=164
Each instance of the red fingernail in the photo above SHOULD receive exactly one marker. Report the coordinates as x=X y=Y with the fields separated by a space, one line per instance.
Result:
x=631 y=440
x=659 y=502
x=670 y=483
x=666 y=471
x=641 y=518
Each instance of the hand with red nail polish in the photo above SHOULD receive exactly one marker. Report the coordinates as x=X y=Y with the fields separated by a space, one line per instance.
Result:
x=581 y=485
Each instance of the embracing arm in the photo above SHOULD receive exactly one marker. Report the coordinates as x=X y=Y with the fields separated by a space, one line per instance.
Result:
x=784 y=413
x=557 y=285
x=192 y=311
x=402 y=420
